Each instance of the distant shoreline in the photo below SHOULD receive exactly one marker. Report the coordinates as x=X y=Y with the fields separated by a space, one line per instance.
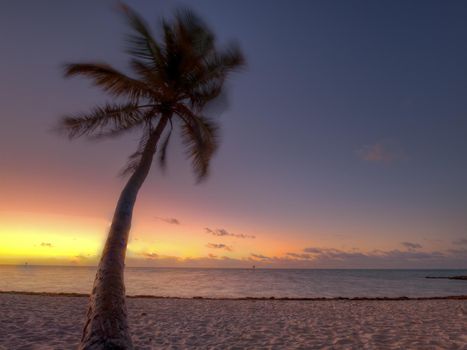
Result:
x=402 y=298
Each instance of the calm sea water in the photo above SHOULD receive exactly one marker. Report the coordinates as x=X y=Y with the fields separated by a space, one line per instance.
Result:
x=177 y=282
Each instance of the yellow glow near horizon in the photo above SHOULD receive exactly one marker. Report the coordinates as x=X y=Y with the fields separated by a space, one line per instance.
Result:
x=63 y=239
x=33 y=236
x=38 y=238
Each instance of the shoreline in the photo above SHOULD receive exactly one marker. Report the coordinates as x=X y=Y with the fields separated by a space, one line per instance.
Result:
x=401 y=298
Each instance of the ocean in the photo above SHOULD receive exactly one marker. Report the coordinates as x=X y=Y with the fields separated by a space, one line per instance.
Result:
x=239 y=283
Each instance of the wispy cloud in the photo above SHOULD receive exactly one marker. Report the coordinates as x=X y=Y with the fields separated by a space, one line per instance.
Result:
x=223 y=232
x=300 y=256
x=46 y=244
x=382 y=152
x=330 y=257
x=313 y=250
x=83 y=258
x=460 y=241
x=219 y=246
x=336 y=258
x=314 y=257
x=171 y=221
x=411 y=246
x=150 y=255
x=260 y=257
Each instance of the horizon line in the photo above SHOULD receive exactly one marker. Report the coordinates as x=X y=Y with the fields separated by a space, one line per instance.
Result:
x=246 y=268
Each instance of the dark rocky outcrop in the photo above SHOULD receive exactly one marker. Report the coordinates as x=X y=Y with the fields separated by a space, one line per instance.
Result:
x=464 y=278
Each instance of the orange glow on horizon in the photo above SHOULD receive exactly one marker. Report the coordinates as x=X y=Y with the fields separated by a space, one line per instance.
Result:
x=62 y=239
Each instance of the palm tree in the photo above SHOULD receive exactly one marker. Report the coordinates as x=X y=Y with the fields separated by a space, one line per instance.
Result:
x=174 y=79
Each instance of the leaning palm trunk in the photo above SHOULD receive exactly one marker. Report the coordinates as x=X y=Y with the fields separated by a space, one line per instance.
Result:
x=106 y=325
x=175 y=77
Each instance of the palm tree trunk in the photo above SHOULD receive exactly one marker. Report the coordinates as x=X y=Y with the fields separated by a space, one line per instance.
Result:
x=106 y=324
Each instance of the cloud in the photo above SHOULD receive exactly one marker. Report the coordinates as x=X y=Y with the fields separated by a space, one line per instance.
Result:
x=312 y=257
x=219 y=246
x=260 y=257
x=330 y=257
x=301 y=256
x=150 y=255
x=313 y=250
x=460 y=241
x=382 y=152
x=83 y=258
x=411 y=246
x=46 y=244
x=171 y=221
x=315 y=257
x=211 y=260
x=462 y=252
x=223 y=232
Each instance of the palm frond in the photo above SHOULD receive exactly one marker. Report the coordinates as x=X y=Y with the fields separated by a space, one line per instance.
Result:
x=200 y=136
x=194 y=32
x=205 y=93
x=206 y=80
x=152 y=78
x=218 y=65
x=173 y=53
x=103 y=121
x=141 y=43
x=226 y=61
x=110 y=80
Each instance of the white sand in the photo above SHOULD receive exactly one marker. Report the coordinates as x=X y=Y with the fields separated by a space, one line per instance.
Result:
x=54 y=322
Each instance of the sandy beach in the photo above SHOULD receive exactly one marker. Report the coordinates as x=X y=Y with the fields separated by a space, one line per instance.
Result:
x=54 y=322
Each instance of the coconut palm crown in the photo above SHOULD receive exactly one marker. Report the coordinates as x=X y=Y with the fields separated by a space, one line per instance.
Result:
x=174 y=79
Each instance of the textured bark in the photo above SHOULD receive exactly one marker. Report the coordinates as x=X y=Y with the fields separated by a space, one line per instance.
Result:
x=106 y=326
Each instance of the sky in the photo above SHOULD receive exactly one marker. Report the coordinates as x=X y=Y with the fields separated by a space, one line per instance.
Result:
x=343 y=145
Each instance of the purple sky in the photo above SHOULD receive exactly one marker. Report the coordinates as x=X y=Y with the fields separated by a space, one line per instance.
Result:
x=346 y=133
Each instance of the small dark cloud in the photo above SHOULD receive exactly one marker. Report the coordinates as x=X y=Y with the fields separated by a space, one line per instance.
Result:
x=299 y=256
x=46 y=244
x=460 y=252
x=82 y=258
x=212 y=256
x=460 y=241
x=382 y=152
x=171 y=221
x=219 y=246
x=259 y=257
x=313 y=250
x=223 y=232
x=411 y=246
